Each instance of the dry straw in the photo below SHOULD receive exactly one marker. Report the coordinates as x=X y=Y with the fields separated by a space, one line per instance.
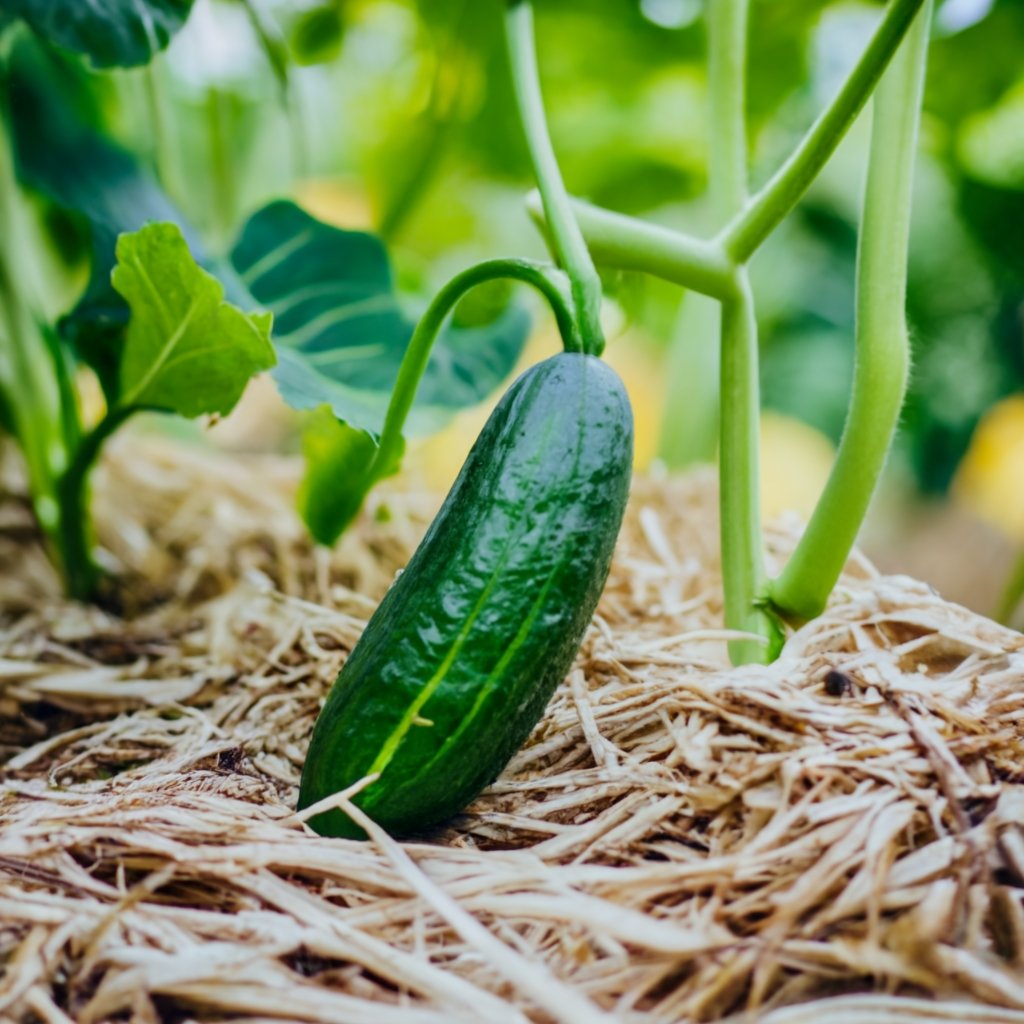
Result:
x=837 y=837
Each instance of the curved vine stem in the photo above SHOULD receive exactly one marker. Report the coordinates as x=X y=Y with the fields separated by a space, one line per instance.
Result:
x=623 y=241
x=549 y=281
x=882 y=347
x=567 y=240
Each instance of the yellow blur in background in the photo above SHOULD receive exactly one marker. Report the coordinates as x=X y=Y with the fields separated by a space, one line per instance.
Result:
x=990 y=480
x=795 y=458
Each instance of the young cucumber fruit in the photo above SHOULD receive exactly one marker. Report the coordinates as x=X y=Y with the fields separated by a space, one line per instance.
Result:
x=458 y=663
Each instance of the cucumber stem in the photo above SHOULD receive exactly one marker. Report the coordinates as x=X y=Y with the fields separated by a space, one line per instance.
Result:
x=567 y=240
x=549 y=281
x=882 y=346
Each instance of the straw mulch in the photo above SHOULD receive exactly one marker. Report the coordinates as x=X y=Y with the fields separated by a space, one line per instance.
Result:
x=837 y=837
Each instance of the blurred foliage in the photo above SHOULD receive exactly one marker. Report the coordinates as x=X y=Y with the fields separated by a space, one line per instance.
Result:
x=398 y=115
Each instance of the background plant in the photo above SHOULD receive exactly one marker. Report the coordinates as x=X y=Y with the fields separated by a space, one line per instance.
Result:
x=403 y=124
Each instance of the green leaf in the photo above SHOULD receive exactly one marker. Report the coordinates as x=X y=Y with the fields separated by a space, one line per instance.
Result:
x=186 y=350
x=340 y=471
x=317 y=34
x=113 y=33
x=341 y=330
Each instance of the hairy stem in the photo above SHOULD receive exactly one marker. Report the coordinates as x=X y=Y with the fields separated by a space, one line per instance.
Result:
x=882 y=348
x=567 y=240
x=551 y=283
x=751 y=226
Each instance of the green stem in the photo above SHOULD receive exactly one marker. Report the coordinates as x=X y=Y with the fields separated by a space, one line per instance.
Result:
x=76 y=530
x=766 y=210
x=631 y=244
x=276 y=52
x=882 y=348
x=727 y=81
x=689 y=428
x=569 y=247
x=551 y=283
x=1012 y=593
x=743 y=571
x=450 y=60
x=36 y=393
x=157 y=119
x=221 y=170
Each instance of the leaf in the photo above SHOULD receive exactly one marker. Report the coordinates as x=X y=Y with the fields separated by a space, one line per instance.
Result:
x=317 y=34
x=186 y=350
x=114 y=33
x=339 y=474
x=341 y=331
x=60 y=153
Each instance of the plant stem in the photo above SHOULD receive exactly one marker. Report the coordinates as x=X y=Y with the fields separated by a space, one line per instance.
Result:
x=551 y=283
x=36 y=393
x=727 y=81
x=569 y=247
x=221 y=169
x=882 y=347
x=276 y=52
x=631 y=244
x=81 y=572
x=437 y=122
x=745 y=233
x=689 y=428
x=1012 y=593
x=743 y=572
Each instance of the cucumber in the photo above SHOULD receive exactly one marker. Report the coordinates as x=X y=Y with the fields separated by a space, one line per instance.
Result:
x=460 y=659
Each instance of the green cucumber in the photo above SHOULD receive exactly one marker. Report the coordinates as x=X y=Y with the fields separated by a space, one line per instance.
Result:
x=458 y=663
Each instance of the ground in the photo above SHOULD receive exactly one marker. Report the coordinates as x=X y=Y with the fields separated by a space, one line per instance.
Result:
x=840 y=833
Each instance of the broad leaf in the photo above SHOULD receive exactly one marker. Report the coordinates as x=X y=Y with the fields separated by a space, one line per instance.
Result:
x=339 y=474
x=186 y=350
x=111 y=33
x=341 y=331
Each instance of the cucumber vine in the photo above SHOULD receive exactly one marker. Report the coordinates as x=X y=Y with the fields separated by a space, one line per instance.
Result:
x=718 y=268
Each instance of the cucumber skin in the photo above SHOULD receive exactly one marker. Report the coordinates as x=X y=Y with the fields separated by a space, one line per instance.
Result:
x=509 y=573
